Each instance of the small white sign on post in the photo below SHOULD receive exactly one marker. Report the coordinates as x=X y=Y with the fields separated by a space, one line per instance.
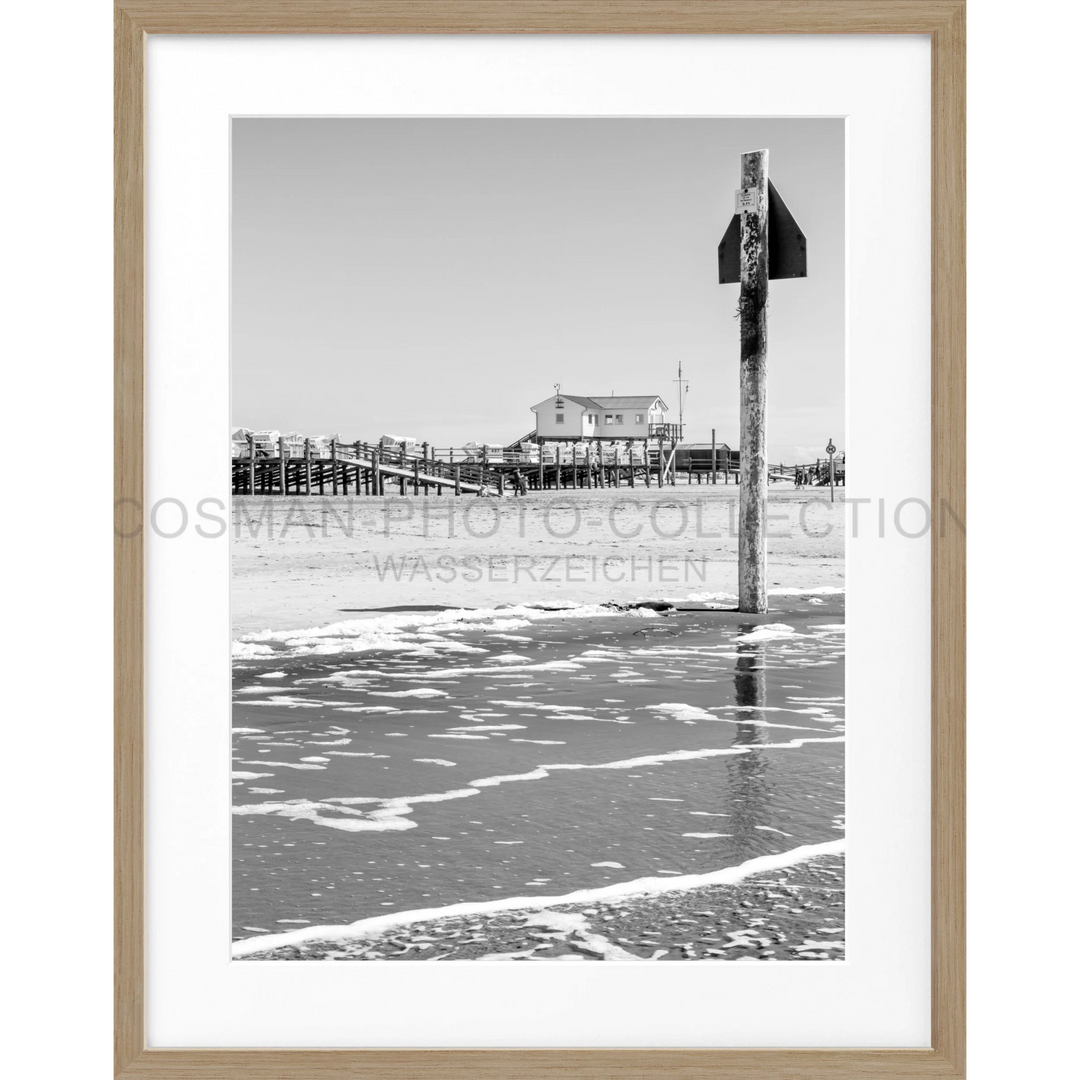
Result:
x=746 y=200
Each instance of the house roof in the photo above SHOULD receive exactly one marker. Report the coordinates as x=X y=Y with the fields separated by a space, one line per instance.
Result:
x=638 y=401
x=585 y=402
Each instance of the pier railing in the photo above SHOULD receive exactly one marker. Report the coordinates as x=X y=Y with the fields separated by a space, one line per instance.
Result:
x=297 y=465
x=275 y=463
x=551 y=454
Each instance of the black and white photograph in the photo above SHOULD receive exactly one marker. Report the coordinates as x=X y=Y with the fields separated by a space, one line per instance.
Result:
x=537 y=544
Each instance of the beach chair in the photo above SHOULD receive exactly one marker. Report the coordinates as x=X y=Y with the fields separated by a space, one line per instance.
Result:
x=266 y=443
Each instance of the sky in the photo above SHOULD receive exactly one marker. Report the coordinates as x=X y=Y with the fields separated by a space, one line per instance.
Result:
x=434 y=278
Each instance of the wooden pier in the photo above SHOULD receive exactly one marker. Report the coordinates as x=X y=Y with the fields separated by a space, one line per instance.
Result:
x=356 y=468
x=308 y=467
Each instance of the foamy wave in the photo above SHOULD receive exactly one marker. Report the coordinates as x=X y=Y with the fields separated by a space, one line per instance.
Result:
x=416 y=634
x=391 y=813
x=819 y=590
x=730 y=875
x=767 y=632
x=691 y=714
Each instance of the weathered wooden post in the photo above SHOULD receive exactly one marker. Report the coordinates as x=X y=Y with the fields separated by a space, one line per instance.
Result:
x=830 y=450
x=333 y=467
x=307 y=466
x=714 y=455
x=770 y=245
x=251 y=464
x=753 y=368
x=457 y=479
x=281 y=465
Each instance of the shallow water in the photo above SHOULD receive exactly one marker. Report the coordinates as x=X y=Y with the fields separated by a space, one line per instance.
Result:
x=473 y=760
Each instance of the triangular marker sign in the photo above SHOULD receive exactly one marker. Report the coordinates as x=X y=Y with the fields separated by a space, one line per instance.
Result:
x=787 y=244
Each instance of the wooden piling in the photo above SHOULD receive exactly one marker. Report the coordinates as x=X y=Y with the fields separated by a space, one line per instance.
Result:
x=753 y=357
x=251 y=464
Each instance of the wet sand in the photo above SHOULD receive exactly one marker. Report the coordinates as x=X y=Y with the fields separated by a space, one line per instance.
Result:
x=797 y=914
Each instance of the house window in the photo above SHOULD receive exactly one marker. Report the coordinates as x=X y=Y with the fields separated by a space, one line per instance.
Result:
x=592 y=418
x=639 y=418
x=560 y=418
x=608 y=418
x=618 y=418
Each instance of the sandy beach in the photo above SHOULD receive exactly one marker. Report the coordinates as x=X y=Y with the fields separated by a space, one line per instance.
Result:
x=299 y=562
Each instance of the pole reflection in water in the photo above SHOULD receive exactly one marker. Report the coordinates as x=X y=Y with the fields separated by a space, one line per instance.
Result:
x=747 y=772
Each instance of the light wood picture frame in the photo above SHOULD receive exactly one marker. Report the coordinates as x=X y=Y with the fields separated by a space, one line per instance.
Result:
x=944 y=23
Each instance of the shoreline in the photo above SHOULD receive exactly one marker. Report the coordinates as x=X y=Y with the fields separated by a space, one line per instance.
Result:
x=743 y=918
x=366 y=623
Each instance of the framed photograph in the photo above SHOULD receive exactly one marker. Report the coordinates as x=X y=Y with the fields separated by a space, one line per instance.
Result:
x=584 y=594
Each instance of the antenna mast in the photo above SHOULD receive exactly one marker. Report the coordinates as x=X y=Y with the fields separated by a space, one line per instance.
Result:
x=682 y=397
